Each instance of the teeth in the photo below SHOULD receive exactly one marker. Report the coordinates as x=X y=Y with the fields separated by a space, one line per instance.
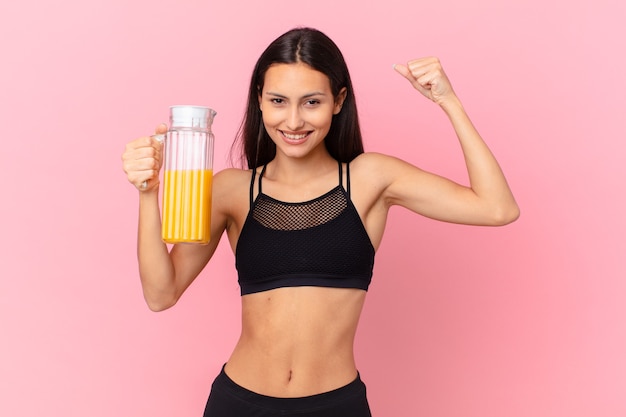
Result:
x=295 y=137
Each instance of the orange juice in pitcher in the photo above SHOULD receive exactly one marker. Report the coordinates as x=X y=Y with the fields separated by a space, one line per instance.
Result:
x=187 y=180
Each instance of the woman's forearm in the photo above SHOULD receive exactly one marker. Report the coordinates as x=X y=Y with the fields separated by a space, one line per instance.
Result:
x=156 y=269
x=485 y=175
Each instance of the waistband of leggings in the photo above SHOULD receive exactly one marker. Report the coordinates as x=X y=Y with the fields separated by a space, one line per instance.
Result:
x=326 y=399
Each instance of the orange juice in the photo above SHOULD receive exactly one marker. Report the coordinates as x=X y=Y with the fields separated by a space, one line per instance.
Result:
x=187 y=205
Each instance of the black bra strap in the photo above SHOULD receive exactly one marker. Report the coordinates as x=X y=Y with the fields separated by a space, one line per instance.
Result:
x=252 y=186
x=261 y=177
x=340 y=173
x=348 y=177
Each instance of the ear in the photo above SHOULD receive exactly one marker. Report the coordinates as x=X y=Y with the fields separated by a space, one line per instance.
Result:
x=341 y=97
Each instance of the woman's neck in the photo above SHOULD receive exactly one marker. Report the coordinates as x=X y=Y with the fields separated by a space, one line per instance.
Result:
x=287 y=170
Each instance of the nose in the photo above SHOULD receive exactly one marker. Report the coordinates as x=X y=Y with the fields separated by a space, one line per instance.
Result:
x=294 y=119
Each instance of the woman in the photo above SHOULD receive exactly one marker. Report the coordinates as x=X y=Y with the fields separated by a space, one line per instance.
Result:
x=304 y=223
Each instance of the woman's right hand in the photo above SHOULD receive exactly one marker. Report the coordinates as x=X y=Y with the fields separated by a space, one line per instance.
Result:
x=142 y=160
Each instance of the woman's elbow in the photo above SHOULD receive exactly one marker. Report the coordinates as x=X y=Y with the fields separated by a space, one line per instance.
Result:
x=506 y=215
x=161 y=303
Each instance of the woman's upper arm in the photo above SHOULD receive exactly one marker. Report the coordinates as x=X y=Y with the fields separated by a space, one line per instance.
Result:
x=429 y=194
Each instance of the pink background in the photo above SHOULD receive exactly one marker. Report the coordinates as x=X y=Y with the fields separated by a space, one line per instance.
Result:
x=526 y=320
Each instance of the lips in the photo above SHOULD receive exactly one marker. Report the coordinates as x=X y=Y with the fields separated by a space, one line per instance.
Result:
x=295 y=137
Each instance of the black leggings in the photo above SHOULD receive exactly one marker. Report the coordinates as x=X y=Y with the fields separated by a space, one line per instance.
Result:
x=227 y=399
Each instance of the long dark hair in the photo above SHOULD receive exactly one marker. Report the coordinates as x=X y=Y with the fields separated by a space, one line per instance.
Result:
x=312 y=47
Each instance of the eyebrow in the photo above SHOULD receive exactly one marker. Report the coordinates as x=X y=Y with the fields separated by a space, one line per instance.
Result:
x=313 y=94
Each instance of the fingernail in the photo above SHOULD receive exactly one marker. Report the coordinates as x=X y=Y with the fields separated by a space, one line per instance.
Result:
x=159 y=137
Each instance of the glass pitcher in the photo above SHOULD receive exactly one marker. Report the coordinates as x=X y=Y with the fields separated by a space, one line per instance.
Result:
x=188 y=175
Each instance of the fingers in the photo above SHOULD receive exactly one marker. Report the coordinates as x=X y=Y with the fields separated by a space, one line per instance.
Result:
x=422 y=66
x=404 y=71
x=142 y=160
x=427 y=76
x=161 y=129
x=410 y=75
x=425 y=70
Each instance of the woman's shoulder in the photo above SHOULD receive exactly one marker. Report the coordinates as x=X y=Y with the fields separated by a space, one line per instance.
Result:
x=231 y=180
x=230 y=192
x=380 y=170
x=233 y=174
x=368 y=159
x=369 y=171
x=374 y=163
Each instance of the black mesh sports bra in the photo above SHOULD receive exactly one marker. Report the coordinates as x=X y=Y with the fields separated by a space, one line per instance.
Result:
x=321 y=242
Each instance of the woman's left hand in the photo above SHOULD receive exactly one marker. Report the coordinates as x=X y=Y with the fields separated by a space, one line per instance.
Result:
x=428 y=77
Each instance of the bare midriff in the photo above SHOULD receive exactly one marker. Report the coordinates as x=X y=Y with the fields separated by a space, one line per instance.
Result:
x=297 y=341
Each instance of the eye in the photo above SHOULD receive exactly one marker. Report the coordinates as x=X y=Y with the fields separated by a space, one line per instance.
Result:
x=312 y=102
x=277 y=101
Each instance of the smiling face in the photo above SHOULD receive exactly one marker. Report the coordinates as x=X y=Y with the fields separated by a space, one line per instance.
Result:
x=298 y=107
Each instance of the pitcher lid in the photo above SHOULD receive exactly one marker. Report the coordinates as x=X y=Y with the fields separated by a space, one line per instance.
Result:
x=191 y=116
